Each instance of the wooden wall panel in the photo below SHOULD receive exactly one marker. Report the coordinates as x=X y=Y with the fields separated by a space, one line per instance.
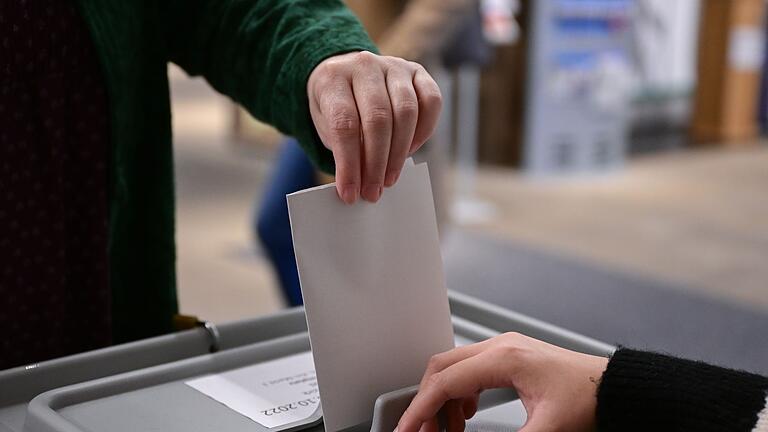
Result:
x=502 y=101
x=727 y=97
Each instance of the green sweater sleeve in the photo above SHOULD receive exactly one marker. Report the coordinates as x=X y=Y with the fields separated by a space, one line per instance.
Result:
x=261 y=52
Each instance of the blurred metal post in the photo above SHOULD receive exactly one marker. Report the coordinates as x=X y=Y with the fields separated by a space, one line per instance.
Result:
x=467 y=208
x=468 y=108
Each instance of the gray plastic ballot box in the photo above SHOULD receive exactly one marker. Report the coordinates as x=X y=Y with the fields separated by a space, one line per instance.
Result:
x=140 y=386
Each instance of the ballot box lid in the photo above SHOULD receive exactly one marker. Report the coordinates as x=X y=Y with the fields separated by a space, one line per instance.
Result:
x=154 y=396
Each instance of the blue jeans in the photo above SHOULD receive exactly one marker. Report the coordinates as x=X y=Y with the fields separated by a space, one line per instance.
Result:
x=293 y=172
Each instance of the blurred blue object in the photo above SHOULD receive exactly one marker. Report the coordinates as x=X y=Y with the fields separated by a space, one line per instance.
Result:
x=293 y=172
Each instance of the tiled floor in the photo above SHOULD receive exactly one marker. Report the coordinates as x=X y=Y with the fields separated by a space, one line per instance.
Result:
x=696 y=219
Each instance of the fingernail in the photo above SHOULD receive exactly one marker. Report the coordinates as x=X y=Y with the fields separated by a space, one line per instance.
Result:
x=349 y=194
x=391 y=178
x=372 y=193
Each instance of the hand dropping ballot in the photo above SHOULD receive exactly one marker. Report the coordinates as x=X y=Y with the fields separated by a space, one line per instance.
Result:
x=376 y=305
x=374 y=292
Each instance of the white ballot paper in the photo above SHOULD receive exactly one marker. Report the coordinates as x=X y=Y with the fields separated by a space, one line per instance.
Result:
x=273 y=393
x=374 y=292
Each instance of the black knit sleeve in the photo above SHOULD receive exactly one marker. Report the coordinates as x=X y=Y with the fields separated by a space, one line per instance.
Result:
x=643 y=391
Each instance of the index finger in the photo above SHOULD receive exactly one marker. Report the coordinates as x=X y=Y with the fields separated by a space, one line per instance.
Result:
x=343 y=129
x=430 y=105
x=443 y=360
x=460 y=380
x=375 y=110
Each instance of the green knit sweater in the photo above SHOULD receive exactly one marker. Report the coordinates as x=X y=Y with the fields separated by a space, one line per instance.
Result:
x=258 y=52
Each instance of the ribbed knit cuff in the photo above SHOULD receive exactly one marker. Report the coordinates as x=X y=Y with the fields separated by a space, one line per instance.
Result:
x=331 y=29
x=642 y=391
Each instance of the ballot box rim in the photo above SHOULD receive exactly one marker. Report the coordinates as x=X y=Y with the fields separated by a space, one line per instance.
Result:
x=473 y=318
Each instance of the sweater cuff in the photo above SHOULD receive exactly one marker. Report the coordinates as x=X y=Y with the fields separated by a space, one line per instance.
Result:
x=338 y=33
x=643 y=391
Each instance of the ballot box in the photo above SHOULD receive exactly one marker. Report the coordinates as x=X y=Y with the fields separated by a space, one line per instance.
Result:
x=141 y=386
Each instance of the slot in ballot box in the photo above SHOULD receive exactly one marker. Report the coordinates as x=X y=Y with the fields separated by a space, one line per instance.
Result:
x=141 y=385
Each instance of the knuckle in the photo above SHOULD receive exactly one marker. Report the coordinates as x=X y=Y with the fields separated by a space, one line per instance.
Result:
x=511 y=338
x=435 y=362
x=433 y=97
x=407 y=107
x=378 y=117
x=392 y=60
x=437 y=383
x=399 y=63
x=365 y=58
x=344 y=123
x=505 y=351
x=512 y=345
x=333 y=69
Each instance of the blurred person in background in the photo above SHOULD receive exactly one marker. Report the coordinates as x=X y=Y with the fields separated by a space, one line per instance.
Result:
x=293 y=171
x=564 y=390
x=86 y=175
x=425 y=31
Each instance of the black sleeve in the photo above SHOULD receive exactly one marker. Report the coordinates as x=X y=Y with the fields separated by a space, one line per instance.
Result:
x=643 y=391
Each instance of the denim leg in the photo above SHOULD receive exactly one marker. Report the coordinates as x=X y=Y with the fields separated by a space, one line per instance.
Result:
x=293 y=172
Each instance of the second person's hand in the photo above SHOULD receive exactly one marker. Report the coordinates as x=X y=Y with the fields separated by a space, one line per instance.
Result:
x=372 y=112
x=557 y=387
